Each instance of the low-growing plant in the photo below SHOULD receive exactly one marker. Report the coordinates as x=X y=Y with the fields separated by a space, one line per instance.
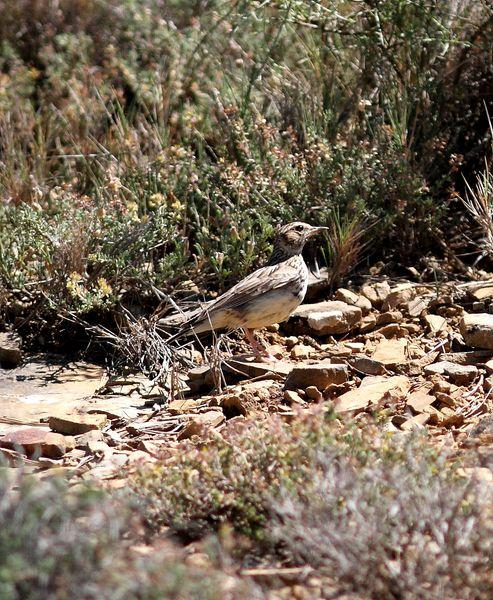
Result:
x=227 y=480
x=379 y=515
x=404 y=524
x=82 y=256
x=60 y=543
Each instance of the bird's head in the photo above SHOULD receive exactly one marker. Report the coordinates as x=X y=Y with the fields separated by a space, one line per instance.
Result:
x=291 y=238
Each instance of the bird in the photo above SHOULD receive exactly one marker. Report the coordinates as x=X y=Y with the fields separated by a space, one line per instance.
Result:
x=268 y=295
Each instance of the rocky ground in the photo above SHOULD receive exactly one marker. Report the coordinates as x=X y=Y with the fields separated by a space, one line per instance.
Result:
x=420 y=356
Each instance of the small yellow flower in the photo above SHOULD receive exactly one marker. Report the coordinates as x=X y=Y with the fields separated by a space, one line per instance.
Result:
x=133 y=210
x=162 y=158
x=176 y=205
x=104 y=287
x=114 y=184
x=156 y=200
x=74 y=277
x=74 y=285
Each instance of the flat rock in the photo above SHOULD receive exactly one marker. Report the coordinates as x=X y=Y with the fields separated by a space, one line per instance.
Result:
x=459 y=374
x=376 y=293
x=435 y=323
x=45 y=387
x=477 y=330
x=277 y=350
x=389 y=316
x=94 y=435
x=246 y=368
x=196 y=424
x=474 y=357
x=415 y=307
x=301 y=351
x=99 y=447
x=391 y=352
x=320 y=375
x=416 y=366
x=366 y=365
x=482 y=293
x=327 y=318
x=240 y=367
x=419 y=400
x=368 y=323
x=177 y=407
x=10 y=349
x=416 y=422
x=355 y=346
x=393 y=330
x=77 y=424
x=38 y=441
x=371 y=392
x=400 y=294
x=116 y=407
x=353 y=299
x=314 y=393
x=293 y=397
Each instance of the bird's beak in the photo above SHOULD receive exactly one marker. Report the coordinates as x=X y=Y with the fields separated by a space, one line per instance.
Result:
x=316 y=230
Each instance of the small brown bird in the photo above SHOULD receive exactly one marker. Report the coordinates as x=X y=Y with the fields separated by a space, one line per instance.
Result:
x=269 y=295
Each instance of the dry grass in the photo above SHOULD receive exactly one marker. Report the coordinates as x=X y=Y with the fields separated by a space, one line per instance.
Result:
x=348 y=238
x=479 y=204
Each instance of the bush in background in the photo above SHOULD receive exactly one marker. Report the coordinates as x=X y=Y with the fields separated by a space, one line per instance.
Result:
x=400 y=525
x=188 y=131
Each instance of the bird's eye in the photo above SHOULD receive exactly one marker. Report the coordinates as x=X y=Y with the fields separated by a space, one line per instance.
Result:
x=299 y=228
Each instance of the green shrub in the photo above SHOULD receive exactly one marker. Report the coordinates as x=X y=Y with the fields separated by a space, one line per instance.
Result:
x=403 y=524
x=61 y=543
x=189 y=131
x=377 y=514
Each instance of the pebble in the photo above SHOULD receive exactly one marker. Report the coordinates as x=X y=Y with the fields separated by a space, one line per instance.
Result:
x=459 y=374
x=301 y=351
x=376 y=293
x=10 y=349
x=435 y=323
x=38 y=441
x=319 y=375
x=293 y=397
x=314 y=393
x=477 y=330
x=327 y=318
x=76 y=424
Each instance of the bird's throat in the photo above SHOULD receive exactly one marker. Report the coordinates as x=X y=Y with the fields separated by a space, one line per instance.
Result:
x=279 y=255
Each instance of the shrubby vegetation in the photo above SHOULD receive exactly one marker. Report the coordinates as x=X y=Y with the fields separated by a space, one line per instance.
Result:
x=381 y=515
x=371 y=513
x=147 y=142
x=61 y=543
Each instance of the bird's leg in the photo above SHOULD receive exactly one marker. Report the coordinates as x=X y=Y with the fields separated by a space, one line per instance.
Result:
x=259 y=349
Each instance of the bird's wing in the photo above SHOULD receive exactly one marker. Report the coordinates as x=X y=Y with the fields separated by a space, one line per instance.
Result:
x=259 y=282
